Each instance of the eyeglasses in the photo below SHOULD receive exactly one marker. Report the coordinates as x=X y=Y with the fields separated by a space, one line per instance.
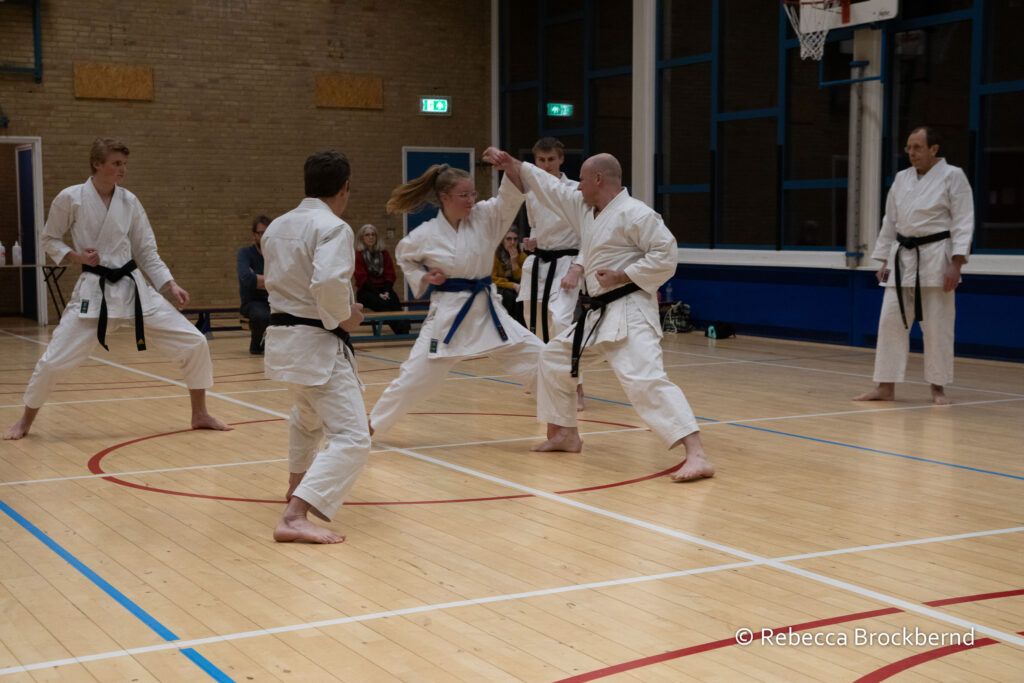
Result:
x=914 y=148
x=466 y=195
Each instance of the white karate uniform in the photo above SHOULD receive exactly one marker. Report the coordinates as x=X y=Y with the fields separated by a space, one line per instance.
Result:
x=553 y=233
x=309 y=260
x=120 y=234
x=626 y=235
x=915 y=207
x=464 y=253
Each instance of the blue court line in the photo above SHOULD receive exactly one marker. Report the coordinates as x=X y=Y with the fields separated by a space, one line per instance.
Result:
x=773 y=431
x=881 y=452
x=117 y=595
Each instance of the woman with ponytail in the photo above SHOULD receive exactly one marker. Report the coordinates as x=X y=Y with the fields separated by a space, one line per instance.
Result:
x=453 y=254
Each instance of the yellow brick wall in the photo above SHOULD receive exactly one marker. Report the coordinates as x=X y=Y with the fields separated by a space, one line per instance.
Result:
x=233 y=114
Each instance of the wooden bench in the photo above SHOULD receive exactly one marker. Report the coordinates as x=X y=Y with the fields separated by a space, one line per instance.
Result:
x=413 y=311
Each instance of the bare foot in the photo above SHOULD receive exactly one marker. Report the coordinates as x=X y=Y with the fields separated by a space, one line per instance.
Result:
x=939 y=397
x=301 y=529
x=207 y=421
x=885 y=391
x=294 y=479
x=695 y=467
x=579 y=398
x=18 y=431
x=565 y=439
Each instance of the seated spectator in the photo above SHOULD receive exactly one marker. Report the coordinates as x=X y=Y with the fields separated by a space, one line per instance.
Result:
x=507 y=272
x=251 y=288
x=374 y=277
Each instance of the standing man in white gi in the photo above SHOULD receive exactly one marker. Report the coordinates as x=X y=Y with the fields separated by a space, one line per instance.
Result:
x=112 y=240
x=926 y=232
x=551 y=275
x=309 y=260
x=628 y=253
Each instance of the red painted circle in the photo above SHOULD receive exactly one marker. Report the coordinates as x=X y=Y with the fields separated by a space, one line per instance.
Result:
x=95 y=468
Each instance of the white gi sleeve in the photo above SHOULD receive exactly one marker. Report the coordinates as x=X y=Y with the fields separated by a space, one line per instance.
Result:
x=887 y=235
x=564 y=200
x=58 y=222
x=961 y=211
x=143 y=242
x=498 y=212
x=331 y=283
x=658 y=245
x=411 y=260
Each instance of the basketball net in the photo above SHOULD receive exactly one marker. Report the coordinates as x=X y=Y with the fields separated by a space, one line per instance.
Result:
x=812 y=36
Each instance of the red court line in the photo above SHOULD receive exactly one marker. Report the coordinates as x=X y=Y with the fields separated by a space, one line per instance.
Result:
x=717 y=644
x=883 y=673
x=976 y=598
x=96 y=468
x=890 y=670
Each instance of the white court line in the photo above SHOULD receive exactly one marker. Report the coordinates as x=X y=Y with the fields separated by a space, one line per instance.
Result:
x=180 y=644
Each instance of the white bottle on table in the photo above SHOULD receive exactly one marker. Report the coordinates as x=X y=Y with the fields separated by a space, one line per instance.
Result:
x=16 y=254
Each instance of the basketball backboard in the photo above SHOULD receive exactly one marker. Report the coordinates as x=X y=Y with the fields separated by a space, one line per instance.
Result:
x=861 y=12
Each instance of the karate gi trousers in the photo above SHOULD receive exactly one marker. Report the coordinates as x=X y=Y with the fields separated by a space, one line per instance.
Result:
x=421 y=375
x=939 y=311
x=637 y=363
x=333 y=411
x=74 y=340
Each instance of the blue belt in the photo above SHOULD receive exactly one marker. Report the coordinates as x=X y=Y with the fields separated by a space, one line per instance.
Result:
x=460 y=284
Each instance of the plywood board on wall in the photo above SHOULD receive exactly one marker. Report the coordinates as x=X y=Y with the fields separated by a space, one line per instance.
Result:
x=97 y=81
x=342 y=91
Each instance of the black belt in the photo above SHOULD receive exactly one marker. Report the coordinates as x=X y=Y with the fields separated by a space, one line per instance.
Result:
x=113 y=275
x=913 y=243
x=289 y=320
x=548 y=256
x=588 y=304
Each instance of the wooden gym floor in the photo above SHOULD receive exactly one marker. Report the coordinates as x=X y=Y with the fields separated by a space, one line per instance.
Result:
x=854 y=542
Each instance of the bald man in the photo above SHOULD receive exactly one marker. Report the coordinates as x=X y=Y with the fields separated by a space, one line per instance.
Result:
x=627 y=253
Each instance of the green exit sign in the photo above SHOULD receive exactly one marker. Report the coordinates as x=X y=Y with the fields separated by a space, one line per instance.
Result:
x=559 y=109
x=435 y=105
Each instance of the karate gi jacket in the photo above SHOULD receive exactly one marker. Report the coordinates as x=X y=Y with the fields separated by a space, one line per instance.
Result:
x=464 y=253
x=552 y=233
x=940 y=200
x=120 y=234
x=309 y=259
x=627 y=235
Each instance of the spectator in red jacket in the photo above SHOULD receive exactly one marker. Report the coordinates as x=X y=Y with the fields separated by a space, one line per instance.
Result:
x=375 y=277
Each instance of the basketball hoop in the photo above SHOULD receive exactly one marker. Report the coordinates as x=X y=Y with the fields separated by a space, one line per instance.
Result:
x=811 y=20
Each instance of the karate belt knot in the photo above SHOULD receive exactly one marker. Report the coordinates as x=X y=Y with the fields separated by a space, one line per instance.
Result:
x=113 y=275
x=548 y=256
x=586 y=305
x=913 y=243
x=289 y=320
x=459 y=284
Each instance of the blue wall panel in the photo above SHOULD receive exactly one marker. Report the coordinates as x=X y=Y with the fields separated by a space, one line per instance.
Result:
x=839 y=306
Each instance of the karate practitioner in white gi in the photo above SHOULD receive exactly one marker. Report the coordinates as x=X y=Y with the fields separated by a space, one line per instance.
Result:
x=112 y=238
x=454 y=251
x=926 y=233
x=624 y=244
x=309 y=260
x=552 y=241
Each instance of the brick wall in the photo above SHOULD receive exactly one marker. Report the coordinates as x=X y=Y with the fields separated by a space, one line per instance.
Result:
x=233 y=113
